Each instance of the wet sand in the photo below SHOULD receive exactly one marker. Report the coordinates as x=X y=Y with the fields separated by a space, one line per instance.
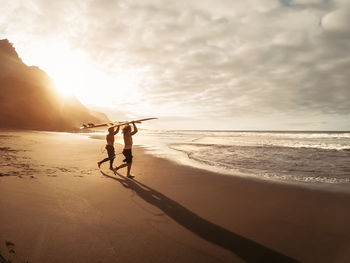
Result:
x=57 y=206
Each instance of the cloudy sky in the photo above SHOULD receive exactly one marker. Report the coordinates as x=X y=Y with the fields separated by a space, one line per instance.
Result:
x=196 y=64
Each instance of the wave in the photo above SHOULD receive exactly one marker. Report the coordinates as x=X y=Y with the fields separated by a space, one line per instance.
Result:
x=346 y=149
x=271 y=162
x=329 y=147
x=321 y=140
x=292 y=156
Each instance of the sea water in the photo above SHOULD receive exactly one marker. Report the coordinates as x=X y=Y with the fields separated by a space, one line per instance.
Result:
x=309 y=157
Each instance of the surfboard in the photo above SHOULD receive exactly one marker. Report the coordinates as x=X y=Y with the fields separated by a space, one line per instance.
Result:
x=112 y=124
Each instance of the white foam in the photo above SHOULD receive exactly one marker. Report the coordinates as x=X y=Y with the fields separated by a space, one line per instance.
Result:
x=297 y=157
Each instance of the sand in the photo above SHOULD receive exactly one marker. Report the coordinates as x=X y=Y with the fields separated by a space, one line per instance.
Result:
x=57 y=206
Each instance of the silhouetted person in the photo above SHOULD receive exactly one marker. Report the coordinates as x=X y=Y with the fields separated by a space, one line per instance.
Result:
x=110 y=147
x=127 y=134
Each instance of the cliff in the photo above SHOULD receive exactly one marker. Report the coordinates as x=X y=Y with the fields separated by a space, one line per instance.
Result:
x=28 y=99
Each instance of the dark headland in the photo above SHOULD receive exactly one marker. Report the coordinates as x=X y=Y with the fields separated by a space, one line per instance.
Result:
x=29 y=100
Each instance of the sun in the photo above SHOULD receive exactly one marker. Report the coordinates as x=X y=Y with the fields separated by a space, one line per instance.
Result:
x=74 y=74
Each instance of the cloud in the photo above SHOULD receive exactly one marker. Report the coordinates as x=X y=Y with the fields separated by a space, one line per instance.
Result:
x=220 y=59
x=337 y=22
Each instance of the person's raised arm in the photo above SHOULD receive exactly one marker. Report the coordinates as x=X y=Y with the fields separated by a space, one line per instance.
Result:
x=117 y=130
x=135 y=128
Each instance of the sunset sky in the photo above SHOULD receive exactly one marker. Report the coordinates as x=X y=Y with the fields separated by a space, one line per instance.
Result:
x=195 y=64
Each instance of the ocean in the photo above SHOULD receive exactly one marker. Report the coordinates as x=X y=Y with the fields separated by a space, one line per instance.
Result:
x=308 y=157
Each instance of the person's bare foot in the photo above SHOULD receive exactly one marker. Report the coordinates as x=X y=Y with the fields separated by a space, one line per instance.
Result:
x=99 y=164
x=115 y=170
x=130 y=176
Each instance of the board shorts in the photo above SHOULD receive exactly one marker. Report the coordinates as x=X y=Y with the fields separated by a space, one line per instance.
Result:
x=110 y=151
x=128 y=155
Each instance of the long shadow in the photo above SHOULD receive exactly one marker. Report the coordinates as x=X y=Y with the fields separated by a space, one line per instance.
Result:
x=246 y=249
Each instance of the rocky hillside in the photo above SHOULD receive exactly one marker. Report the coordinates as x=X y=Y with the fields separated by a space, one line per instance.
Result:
x=28 y=99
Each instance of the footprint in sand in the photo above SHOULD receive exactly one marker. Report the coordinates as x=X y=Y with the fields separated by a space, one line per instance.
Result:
x=12 y=257
x=10 y=246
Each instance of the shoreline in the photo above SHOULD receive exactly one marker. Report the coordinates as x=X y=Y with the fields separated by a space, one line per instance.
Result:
x=70 y=211
x=193 y=164
x=181 y=158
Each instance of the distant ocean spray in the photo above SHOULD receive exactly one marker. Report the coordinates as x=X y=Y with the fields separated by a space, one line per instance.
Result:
x=314 y=157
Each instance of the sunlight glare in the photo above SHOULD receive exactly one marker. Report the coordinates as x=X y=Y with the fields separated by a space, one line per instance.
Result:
x=75 y=75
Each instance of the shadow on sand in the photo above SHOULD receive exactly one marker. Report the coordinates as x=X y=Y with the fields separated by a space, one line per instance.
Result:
x=244 y=248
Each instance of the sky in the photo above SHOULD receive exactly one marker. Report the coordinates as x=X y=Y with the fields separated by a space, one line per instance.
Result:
x=195 y=64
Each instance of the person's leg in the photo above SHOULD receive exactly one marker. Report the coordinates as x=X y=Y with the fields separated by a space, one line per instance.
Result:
x=128 y=165
x=125 y=153
x=101 y=162
x=121 y=166
x=111 y=160
x=111 y=156
x=129 y=162
x=129 y=169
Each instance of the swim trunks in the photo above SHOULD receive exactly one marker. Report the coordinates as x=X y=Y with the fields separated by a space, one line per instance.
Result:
x=128 y=155
x=110 y=151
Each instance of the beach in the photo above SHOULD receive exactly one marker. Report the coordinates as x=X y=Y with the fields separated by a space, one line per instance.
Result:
x=57 y=206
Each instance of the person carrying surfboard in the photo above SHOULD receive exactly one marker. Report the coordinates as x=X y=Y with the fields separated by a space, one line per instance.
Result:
x=127 y=134
x=110 y=147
